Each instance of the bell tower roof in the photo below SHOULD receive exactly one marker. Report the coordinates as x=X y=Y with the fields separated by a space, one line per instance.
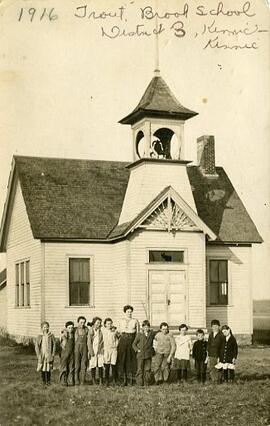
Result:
x=158 y=101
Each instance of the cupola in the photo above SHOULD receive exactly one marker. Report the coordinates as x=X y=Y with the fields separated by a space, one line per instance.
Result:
x=157 y=123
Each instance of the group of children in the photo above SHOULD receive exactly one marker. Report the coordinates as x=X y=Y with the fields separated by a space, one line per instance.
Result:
x=145 y=355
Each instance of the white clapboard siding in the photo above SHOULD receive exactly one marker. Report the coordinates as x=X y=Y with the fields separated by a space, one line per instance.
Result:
x=22 y=321
x=194 y=246
x=238 y=313
x=56 y=282
x=147 y=180
x=3 y=307
x=121 y=270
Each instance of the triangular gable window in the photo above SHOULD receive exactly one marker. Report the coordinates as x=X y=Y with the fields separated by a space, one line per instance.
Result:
x=168 y=215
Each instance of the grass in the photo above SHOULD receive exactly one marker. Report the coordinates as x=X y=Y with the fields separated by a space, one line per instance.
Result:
x=24 y=401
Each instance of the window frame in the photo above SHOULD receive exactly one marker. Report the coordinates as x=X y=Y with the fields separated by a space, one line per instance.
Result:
x=218 y=259
x=183 y=250
x=22 y=285
x=91 y=283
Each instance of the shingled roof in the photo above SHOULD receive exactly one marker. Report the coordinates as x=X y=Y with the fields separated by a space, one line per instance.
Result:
x=220 y=207
x=77 y=199
x=158 y=101
x=70 y=199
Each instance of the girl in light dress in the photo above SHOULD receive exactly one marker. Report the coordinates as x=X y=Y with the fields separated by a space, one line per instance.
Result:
x=183 y=351
x=45 y=351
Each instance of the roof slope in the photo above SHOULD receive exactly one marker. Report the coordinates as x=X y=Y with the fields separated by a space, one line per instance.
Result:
x=72 y=198
x=82 y=199
x=220 y=207
x=158 y=100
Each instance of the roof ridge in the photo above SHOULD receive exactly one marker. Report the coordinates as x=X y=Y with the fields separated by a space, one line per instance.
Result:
x=69 y=159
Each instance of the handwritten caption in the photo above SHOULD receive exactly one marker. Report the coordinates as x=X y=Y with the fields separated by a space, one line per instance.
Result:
x=115 y=24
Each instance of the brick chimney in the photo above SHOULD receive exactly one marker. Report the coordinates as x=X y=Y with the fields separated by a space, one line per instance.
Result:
x=206 y=155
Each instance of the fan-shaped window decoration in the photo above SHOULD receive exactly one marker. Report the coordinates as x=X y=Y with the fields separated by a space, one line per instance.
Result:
x=169 y=216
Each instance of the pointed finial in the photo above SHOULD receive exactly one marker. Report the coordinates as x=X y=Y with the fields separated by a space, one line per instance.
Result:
x=157 y=70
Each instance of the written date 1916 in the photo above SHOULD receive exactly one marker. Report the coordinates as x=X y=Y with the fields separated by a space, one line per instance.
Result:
x=32 y=13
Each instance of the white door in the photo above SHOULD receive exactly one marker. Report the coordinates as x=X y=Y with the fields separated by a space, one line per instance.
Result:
x=167 y=297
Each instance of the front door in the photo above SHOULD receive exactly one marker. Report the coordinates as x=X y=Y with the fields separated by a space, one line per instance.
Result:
x=167 y=297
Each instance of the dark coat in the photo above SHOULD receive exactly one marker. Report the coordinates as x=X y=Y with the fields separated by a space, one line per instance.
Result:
x=199 y=351
x=214 y=344
x=228 y=350
x=143 y=345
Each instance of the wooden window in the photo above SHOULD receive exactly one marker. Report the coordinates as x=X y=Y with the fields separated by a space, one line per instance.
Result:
x=27 y=282
x=161 y=256
x=218 y=282
x=17 y=283
x=22 y=283
x=79 y=281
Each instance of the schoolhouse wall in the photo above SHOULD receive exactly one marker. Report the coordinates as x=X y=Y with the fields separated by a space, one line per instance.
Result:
x=238 y=314
x=193 y=244
x=56 y=282
x=3 y=308
x=120 y=293
x=147 y=180
x=22 y=321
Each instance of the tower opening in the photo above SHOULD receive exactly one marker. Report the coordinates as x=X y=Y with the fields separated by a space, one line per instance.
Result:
x=140 y=144
x=161 y=144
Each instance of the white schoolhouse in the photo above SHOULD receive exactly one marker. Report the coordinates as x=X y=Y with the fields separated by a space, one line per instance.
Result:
x=86 y=237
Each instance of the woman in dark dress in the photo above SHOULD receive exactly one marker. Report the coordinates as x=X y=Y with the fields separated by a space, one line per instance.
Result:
x=126 y=357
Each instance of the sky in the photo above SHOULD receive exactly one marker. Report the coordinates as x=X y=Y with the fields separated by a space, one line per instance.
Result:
x=69 y=71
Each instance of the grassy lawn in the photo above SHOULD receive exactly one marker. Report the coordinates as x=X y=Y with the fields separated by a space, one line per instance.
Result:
x=24 y=401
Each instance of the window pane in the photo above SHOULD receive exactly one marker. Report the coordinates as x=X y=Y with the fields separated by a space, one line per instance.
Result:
x=27 y=271
x=74 y=270
x=166 y=256
x=214 y=294
x=84 y=293
x=223 y=293
x=73 y=294
x=17 y=294
x=214 y=270
x=223 y=271
x=28 y=294
x=27 y=279
x=79 y=281
x=218 y=282
x=22 y=273
x=22 y=285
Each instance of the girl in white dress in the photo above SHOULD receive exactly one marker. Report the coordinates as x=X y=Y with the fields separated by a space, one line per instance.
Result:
x=182 y=353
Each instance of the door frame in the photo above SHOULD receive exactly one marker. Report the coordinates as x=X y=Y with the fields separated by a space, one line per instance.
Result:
x=165 y=268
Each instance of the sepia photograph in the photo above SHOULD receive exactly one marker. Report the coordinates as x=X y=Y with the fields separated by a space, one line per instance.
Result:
x=135 y=212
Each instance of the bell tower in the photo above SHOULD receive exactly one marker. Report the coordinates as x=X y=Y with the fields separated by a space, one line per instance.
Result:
x=157 y=123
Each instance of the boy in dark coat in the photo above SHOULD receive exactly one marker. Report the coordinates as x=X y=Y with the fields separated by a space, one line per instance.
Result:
x=199 y=353
x=214 y=345
x=228 y=354
x=143 y=346
x=66 y=376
